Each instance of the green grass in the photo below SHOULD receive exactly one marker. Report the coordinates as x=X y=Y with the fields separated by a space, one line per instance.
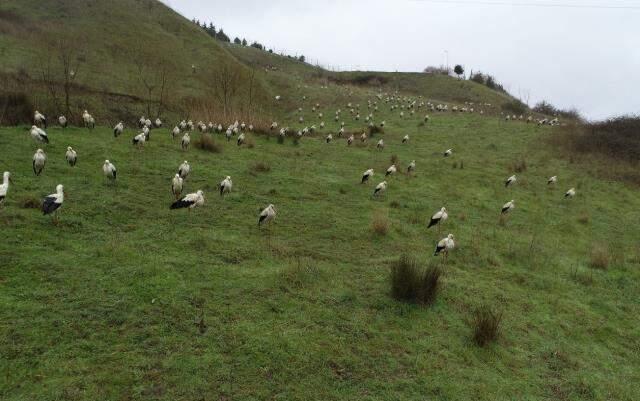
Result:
x=125 y=300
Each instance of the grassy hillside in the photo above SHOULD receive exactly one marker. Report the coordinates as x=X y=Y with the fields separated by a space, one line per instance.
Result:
x=282 y=72
x=117 y=48
x=124 y=299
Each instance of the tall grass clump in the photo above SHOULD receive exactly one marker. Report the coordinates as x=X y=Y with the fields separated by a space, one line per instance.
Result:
x=375 y=129
x=260 y=167
x=380 y=223
x=599 y=257
x=519 y=165
x=206 y=143
x=486 y=325
x=411 y=283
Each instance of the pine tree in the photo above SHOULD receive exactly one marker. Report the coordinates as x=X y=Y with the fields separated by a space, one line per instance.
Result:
x=244 y=42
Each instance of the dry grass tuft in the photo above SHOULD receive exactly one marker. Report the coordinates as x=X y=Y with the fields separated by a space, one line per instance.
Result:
x=394 y=159
x=584 y=217
x=518 y=166
x=600 y=257
x=260 y=167
x=380 y=223
x=207 y=143
x=30 y=202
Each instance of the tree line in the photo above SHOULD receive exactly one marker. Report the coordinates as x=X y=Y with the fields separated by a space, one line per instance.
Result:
x=220 y=35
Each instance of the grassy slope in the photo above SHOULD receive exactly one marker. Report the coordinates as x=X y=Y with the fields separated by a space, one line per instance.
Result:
x=105 y=305
x=436 y=88
x=116 y=33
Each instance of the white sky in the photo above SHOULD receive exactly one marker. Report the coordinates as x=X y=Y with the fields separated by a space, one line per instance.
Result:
x=574 y=56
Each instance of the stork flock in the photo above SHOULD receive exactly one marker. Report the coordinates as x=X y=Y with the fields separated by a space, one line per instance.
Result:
x=52 y=203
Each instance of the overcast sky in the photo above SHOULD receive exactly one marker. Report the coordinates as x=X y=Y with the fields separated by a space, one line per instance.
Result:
x=574 y=53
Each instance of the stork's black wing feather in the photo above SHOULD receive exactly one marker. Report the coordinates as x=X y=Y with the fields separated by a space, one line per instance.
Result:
x=181 y=203
x=49 y=205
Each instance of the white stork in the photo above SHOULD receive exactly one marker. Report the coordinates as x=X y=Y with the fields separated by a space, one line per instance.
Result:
x=329 y=138
x=189 y=201
x=39 y=160
x=508 y=207
x=552 y=180
x=86 y=118
x=380 y=144
x=444 y=246
x=71 y=156
x=570 y=193
x=38 y=134
x=391 y=170
x=4 y=187
x=380 y=188
x=39 y=119
x=118 y=129
x=139 y=139
x=240 y=139
x=405 y=139
x=411 y=167
x=510 y=181
x=52 y=203
x=175 y=132
x=176 y=185
x=363 y=137
x=366 y=175
x=350 y=140
x=158 y=122
x=439 y=217
x=448 y=152
x=62 y=120
x=186 y=140
x=267 y=215
x=226 y=185
x=109 y=170
x=184 y=170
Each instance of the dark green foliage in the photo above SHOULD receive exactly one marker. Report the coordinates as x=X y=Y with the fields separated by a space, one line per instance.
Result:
x=458 y=69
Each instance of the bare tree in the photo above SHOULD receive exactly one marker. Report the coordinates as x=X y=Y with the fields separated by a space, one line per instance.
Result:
x=251 y=81
x=59 y=67
x=71 y=56
x=227 y=82
x=155 y=80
